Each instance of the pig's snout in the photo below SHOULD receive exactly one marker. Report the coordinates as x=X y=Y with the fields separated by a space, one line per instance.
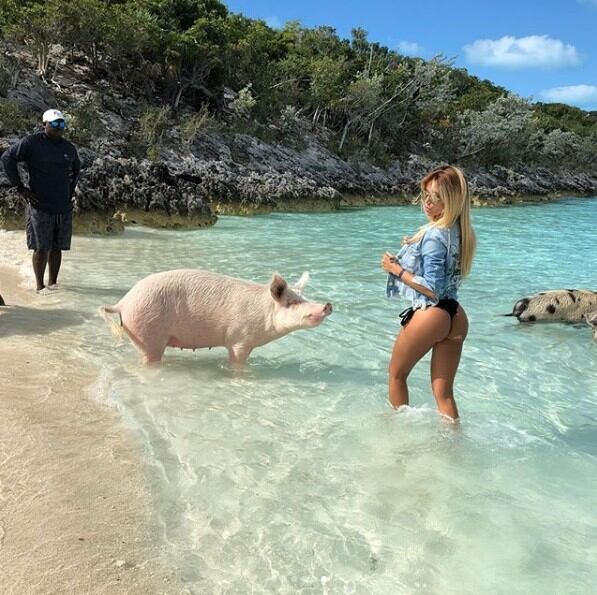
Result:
x=318 y=313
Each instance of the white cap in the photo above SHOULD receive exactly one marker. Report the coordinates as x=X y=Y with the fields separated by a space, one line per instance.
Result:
x=51 y=115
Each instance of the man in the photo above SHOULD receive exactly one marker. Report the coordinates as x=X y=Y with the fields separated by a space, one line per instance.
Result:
x=53 y=164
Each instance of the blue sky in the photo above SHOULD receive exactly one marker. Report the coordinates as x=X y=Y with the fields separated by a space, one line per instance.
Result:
x=543 y=50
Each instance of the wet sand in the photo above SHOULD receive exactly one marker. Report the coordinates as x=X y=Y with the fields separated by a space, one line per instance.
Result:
x=75 y=509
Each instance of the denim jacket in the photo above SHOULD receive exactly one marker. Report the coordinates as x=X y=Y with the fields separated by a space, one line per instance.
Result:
x=434 y=264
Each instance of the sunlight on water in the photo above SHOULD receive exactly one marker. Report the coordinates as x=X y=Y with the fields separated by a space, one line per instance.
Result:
x=296 y=476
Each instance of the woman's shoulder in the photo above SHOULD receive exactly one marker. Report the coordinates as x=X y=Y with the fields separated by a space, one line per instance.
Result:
x=438 y=234
x=443 y=234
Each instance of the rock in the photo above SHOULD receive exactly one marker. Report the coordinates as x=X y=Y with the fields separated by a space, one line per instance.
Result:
x=142 y=192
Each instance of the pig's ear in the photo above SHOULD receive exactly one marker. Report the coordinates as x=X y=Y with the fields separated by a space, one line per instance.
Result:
x=277 y=287
x=300 y=284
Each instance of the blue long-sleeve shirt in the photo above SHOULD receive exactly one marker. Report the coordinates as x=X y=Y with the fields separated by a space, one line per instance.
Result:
x=53 y=166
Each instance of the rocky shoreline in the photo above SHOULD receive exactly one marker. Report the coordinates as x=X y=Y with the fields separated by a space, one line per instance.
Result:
x=189 y=182
x=187 y=191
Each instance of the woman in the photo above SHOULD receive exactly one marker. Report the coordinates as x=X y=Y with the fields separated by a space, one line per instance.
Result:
x=428 y=270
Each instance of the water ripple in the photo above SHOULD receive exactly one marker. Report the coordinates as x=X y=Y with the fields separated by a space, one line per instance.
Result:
x=297 y=477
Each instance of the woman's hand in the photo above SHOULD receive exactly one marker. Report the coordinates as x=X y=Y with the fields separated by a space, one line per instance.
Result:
x=388 y=263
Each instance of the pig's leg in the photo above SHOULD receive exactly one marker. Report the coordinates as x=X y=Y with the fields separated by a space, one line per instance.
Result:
x=151 y=348
x=153 y=356
x=238 y=354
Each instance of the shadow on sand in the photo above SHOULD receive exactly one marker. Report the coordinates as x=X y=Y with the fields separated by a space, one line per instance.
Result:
x=20 y=320
x=106 y=293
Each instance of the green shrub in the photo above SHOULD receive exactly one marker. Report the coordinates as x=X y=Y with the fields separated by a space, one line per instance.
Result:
x=243 y=104
x=153 y=124
x=191 y=126
x=14 y=119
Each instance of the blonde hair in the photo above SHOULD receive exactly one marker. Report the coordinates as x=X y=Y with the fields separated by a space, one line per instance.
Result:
x=452 y=188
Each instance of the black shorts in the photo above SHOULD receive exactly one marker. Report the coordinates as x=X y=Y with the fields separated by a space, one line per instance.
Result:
x=47 y=231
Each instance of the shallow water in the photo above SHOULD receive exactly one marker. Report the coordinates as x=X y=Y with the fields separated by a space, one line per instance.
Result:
x=296 y=476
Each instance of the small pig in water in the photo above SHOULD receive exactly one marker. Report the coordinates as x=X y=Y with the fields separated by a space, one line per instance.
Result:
x=191 y=309
x=568 y=305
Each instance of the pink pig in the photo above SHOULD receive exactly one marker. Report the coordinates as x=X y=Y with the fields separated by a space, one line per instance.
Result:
x=191 y=309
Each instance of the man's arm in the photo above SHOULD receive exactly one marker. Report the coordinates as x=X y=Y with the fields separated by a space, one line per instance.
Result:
x=20 y=151
x=10 y=158
x=75 y=173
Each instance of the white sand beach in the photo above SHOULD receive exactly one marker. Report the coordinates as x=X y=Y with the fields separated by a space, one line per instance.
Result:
x=75 y=509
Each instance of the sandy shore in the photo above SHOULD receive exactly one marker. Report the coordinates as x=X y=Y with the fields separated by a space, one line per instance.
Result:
x=75 y=510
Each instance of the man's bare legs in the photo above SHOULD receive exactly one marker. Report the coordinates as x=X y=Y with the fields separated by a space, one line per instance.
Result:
x=54 y=262
x=41 y=260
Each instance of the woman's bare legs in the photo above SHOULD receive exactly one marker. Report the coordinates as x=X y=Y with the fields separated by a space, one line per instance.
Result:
x=444 y=364
x=424 y=330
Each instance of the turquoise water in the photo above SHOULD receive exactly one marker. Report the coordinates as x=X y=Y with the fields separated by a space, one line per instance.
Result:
x=297 y=477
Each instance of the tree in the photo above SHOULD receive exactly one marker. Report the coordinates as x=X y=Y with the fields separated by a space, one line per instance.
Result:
x=181 y=15
x=359 y=41
x=561 y=147
x=39 y=26
x=359 y=104
x=471 y=92
x=416 y=96
x=327 y=82
x=587 y=152
x=199 y=50
x=250 y=54
x=84 y=27
x=553 y=116
x=133 y=39
x=498 y=134
x=8 y=14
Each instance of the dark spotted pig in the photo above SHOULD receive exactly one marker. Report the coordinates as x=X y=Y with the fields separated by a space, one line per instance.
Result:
x=566 y=305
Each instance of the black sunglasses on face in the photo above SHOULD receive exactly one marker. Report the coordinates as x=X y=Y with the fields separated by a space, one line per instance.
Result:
x=59 y=124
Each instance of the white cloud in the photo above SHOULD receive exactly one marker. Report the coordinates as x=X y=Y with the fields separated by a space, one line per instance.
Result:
x=522 y=52
x=574 y=94
x=273 y=22
x=409 y=48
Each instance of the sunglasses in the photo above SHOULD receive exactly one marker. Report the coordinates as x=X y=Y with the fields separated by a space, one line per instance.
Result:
x=59 y=124
x=431 y=197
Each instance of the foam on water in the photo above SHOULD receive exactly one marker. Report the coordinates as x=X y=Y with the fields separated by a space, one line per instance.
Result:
x=296 y=476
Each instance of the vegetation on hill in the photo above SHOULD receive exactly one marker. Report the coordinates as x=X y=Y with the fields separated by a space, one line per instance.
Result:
x=196 y=62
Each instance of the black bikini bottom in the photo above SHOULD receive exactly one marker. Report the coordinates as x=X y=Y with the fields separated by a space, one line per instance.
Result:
x=449 y=305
